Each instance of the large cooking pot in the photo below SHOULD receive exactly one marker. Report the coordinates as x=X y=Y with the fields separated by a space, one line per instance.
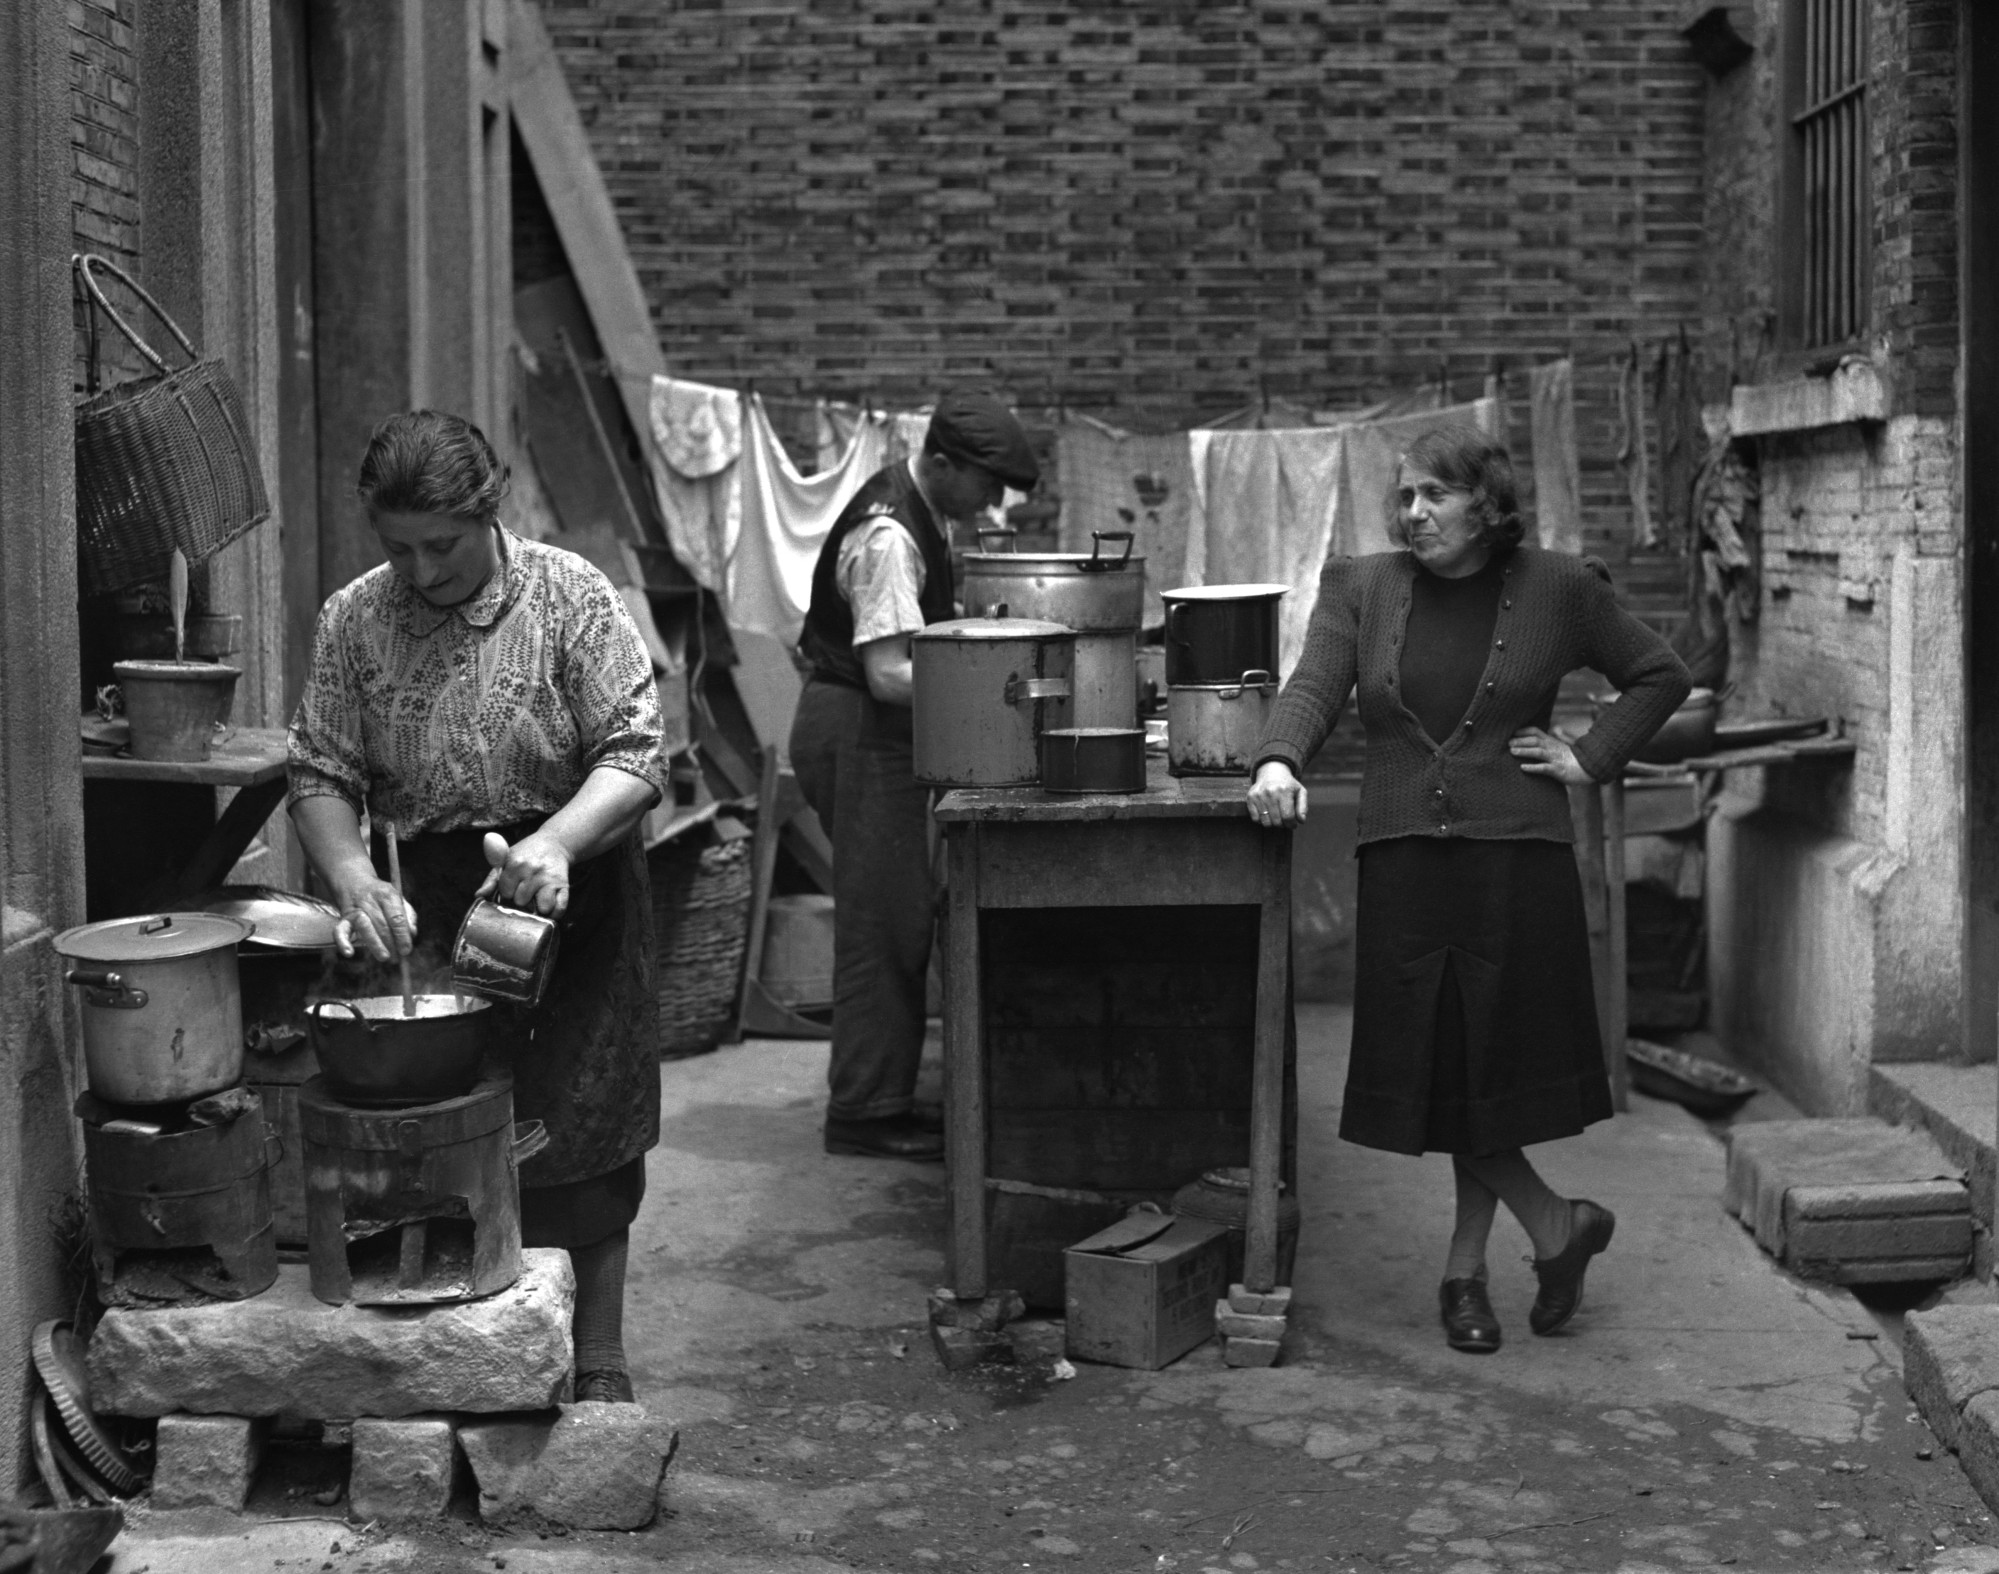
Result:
x=1212 y=729
x=1216 y=633
x=162 y=1008
x=985 y=689
x=371 y=1054
x=1088 y=592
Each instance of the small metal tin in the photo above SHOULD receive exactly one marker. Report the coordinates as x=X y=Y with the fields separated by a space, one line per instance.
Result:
x=504 y=953
x=1093 y=759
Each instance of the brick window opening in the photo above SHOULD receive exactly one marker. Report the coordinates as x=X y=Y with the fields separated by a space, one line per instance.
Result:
x=1827 y=244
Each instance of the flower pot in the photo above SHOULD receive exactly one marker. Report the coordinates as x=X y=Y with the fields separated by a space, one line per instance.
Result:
x=175 y=706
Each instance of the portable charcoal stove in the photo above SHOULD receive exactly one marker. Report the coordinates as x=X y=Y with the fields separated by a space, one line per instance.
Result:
x=418 y=1204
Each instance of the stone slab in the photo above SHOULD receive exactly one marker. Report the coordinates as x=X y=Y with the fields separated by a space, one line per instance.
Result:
x=1250 y=1352
x=1767 y=1159
x=1978 y=1446
x=1958 y=1105
x=283 y=1352
x=402 y=1470
x=205 y=1461
x=1261 y=1303
x=1839 y=1239
x=1901 y=1200
x=1950 y=1355
x=1232 y=1324
x=1878 y=1270
x=590 y=1466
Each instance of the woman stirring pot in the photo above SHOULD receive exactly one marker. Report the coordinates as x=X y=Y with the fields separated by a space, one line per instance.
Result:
x=490 y=698
x=1474 y=1028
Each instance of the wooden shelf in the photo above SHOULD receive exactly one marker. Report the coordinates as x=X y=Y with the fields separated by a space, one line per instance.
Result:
x=240 y=757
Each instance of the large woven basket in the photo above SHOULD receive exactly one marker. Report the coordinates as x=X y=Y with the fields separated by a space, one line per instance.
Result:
x=163 y=461
x=701 y=922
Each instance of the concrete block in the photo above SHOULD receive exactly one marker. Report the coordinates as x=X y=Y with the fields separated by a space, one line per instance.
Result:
x=986 y=1314
x=1261 y=1303
x=1232 y=1324
x=1768 y=1160
x=1950 y=1355
x=1879 y=1270
x=283 y=1352
x=1038 y=1339
x=1837 y=1239
x=205 y=1461
x=960 y=1349
x=402 y=1470
x=1250 y=1352
x=1978 y=1446
x=593 y=1467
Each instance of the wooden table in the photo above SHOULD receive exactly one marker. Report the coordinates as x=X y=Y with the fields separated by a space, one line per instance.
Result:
x=249 y=759
x=1185 y=844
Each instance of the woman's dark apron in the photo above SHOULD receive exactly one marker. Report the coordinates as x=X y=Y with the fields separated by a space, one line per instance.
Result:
x=586 y=1060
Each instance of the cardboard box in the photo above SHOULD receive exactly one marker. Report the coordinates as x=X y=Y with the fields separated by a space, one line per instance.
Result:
x=1142 y=1292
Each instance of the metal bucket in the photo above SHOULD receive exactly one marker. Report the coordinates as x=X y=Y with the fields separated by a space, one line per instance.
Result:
x=1215 y=633
x=1085 y=591
x=985 y=689
x=1212 y=729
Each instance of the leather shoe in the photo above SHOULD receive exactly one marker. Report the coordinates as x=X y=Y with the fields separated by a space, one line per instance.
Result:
x=891 y=1137
x=1561 y=1276
x=604 y=1387
x=1469 y=1321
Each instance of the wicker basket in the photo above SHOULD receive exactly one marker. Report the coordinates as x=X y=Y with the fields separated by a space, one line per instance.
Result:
x=701 y=922
x=163 y=461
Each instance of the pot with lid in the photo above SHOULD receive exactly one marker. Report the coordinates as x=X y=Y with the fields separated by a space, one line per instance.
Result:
x=162 y=1005
x=985 y=689
x=1216 y=633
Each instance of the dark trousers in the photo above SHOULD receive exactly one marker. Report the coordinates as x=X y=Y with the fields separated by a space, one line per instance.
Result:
x=854 y=764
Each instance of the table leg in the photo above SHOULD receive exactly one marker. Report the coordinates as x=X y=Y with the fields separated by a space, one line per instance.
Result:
x=1617 y=998
x=1266 y=1115
x=964 y=1068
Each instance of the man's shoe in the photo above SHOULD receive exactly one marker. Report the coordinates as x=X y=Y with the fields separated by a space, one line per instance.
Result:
x=891 y=1137
x=1469 y=1321
x=1561 y=1275
x=604 y=1387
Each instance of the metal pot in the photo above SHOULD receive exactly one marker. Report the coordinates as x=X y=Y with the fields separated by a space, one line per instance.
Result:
x=1106 y=680
x=985 y=691
x=370 y=1053
x=1215 y=633
x=1093 y=759
x=1087 y=592
x=504 y=953
x=162 y=1006
x=1212 y=729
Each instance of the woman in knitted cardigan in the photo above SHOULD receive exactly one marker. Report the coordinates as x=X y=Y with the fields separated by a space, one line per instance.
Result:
x=1475 y=1027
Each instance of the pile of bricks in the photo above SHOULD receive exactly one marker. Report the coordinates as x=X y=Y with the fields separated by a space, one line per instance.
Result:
x=1251 y=1323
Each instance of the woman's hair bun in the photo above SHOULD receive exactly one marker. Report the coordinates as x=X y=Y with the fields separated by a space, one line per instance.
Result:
x=432 y=462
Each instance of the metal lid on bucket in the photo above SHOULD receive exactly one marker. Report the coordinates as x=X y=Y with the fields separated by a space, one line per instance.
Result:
x=151 y=937
x=995 y=629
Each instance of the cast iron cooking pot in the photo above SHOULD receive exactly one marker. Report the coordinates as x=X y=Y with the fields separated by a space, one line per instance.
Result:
x=370 y=1053
x=162 y=1008
x=1216 y=633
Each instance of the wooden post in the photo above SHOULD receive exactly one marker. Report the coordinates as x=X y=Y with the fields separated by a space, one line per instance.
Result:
x=964 y=1068
x=1616 y=996
x=1266 y=1113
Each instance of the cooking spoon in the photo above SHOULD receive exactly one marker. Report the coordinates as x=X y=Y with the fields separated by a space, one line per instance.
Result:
x=396 y=880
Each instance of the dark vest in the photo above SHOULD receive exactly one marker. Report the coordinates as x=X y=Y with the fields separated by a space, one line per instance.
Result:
x=827 y=643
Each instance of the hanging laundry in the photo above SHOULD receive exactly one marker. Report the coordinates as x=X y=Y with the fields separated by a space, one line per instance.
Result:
x=1373 y=462
x=696 y=436
x=1558 y=483
x=1116 y=480
x=1634 y=435
x=785 y=518
x=1265 y=511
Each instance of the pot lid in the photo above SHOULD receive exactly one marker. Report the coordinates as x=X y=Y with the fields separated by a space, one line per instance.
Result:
x=282 y=920
x=996 y=629
x=1224 y=592
x=1052 y=562
x=151 y=937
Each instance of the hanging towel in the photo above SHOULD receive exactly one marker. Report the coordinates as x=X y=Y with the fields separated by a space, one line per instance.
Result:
x=1116 y=480
x=698 y=425
x=1633 y=447
x=1558 y=486
x=1373 y=460
x=1265 y=511
x=785 y=519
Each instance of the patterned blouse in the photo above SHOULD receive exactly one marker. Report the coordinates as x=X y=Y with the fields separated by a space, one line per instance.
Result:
x=483 y=714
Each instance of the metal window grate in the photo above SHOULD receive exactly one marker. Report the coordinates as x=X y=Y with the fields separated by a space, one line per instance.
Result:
x=1831 y=129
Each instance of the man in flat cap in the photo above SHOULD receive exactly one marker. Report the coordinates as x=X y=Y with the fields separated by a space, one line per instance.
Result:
x=883 y=573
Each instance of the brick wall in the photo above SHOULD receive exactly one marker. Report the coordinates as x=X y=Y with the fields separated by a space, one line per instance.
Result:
x=104 y=178
x=1156 y=212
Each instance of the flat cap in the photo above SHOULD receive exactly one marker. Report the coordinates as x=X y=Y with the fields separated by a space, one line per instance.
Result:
x=977 y=429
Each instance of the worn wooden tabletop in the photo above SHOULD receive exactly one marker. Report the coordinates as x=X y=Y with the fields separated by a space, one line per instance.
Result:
x=239 y=757
x=1166 y=797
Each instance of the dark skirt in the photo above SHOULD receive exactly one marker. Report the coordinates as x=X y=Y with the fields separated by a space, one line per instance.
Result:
x=586 y=1060
x=1475 y=1026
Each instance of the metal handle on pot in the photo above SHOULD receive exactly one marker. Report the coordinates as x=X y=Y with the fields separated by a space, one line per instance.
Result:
x=530 y=1137
x=1019 y=688
x=1096 y=564
x=312 y=1015
x=104 y=988
x=1257 y=678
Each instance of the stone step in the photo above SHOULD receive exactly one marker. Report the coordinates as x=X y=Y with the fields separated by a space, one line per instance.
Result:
x=1850 y=1201
x=1957 y=1105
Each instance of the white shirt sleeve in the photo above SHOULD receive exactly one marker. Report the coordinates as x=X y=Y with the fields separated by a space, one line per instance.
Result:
x=880 y=572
